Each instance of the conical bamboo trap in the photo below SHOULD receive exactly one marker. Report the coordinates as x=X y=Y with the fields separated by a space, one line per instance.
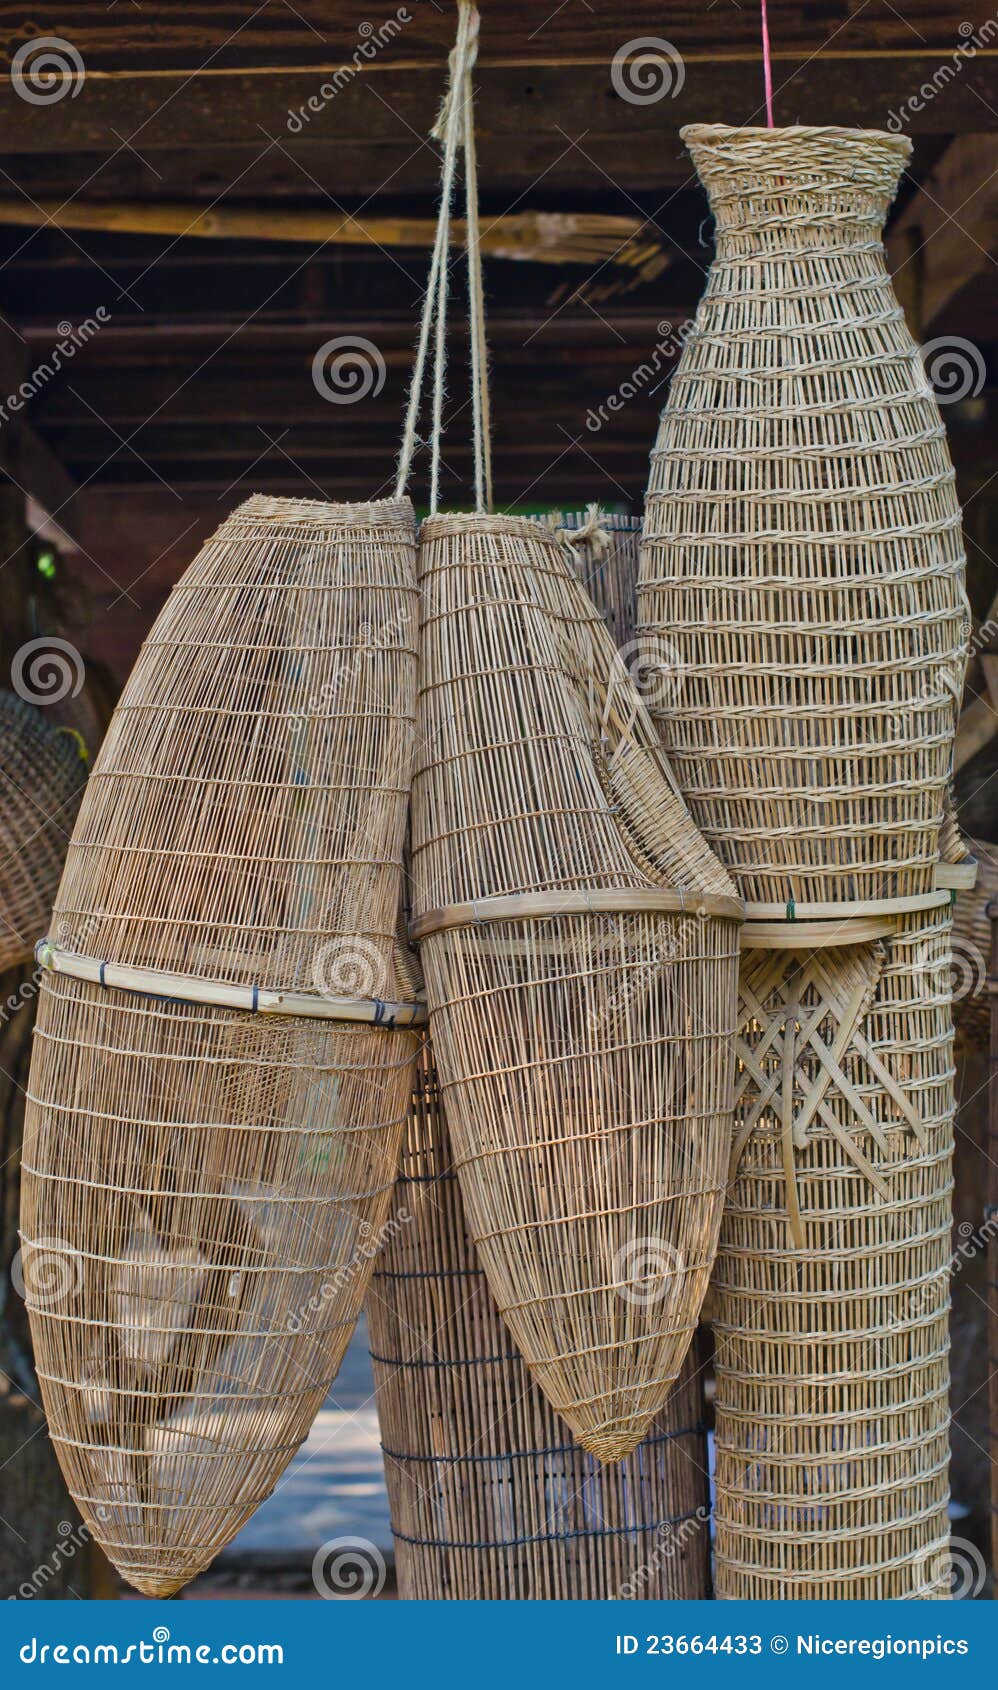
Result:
x=217 y=1093
x=802 y=565
x=42 y=775
x=491 y=1499
x=830 y=1294
x=580 y=948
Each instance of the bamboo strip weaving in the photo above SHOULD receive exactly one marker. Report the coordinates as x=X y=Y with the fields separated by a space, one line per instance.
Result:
x=42 y=775
x=832 y=1412
x=204 y=1187
x=802 y=565
x=491 y=1498
x=584 y=1058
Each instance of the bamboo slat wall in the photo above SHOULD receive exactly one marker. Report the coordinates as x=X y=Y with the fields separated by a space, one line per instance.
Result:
x=491 y=1497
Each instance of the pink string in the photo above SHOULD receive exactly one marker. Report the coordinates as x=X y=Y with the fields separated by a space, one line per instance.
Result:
x=767 y=66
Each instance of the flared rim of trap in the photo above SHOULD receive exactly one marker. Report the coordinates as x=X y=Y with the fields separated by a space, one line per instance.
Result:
x=262 y=507
x=694 y=134
x=257 y=1000
x=541 y=906
x=483 y=522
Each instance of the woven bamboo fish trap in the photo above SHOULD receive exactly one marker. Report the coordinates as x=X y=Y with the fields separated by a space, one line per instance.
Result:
x=579 y=944
x=491 y=1499
x=972 y=947
x=802 y=565
x=221 y=1078
x=991 y=1219
x=42 y=775
x=831 y=1290
x=603 y=548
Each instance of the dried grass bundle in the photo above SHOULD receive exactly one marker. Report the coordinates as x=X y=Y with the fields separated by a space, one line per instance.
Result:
x=802 y=567
x=832 y=1413
x=580 y=947
x=491 y=1499
x=42 y=775
x=205 y=1186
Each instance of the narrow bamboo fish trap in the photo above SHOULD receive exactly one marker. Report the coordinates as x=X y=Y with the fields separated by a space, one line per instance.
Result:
x=972 y=947
x=832 y=1413
x=579 y=944
x=603 y=547
x=491 y=1499
x=992 y=1224
x=220 y=1076
x=802 y=564
x=42 y=775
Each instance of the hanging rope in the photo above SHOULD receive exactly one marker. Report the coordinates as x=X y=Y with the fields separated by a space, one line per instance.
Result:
x=455 y=128
x=767 y=65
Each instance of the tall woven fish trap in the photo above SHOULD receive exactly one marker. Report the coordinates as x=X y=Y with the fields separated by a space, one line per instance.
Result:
x=221 y=1072
x=580 y=949
x=42 y=775
x=603 y=548
x=802 y=565
x=491 y=1498
x=831 y=1290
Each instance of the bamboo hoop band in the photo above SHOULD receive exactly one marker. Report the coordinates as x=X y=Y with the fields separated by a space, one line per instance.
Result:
x=157 y=983
x=816 y=935
x=791 y=913
x=540 y=906
x=957 y=877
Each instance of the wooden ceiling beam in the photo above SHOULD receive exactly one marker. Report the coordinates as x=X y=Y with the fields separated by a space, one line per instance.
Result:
x=564 y=107
x=946 y=234
x=188 y=34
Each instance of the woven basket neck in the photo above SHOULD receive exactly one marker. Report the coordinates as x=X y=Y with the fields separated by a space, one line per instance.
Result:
x=794 y=188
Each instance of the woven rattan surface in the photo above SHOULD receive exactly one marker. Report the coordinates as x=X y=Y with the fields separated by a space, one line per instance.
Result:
x=585 y=1059
x=491 y=1498
x=802 y=564
x=42 y=776
x=832 y=1411
x=203 y=1187
x=245 y=814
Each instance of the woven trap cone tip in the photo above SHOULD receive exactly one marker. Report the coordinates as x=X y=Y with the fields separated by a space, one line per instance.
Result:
x=204 y=1187
x=579 y=944
x=802 y=564
x=491 y=1499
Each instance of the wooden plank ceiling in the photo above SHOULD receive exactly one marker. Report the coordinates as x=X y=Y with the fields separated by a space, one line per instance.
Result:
x=200 y=384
